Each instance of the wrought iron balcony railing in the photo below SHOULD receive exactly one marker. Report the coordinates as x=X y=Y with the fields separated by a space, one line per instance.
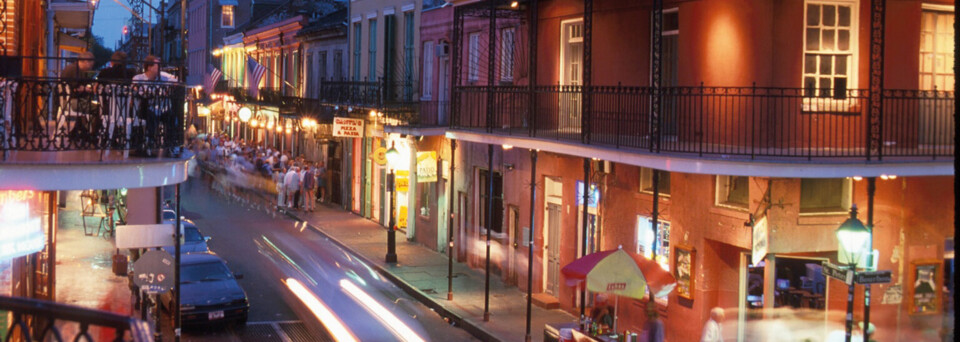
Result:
x=59 y=114
x=720 y=121
x=38 y=320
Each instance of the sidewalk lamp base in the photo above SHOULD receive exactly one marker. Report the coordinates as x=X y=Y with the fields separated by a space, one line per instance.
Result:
x=391 y=246
x=449 y=295
x=486 y=316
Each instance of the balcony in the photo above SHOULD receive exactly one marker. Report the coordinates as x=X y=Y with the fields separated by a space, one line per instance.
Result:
x=751 y=123
x=38 y=320
x=119 y=133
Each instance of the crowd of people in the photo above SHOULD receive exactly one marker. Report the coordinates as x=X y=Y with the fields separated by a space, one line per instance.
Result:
x=241 y=166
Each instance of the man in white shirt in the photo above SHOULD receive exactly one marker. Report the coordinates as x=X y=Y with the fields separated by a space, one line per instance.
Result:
x=155 y=103
x=712 y=331
x=291 y=181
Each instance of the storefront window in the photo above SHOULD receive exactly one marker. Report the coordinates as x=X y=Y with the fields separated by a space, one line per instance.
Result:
x=645 y=239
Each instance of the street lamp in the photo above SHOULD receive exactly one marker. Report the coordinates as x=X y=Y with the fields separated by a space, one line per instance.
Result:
x=853 y=236
x=392 y=159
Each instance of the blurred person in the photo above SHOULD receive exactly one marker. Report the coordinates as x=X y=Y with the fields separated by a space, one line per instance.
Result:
x=291 y=183
x=309 y=187
x=278 y=180
x=321 y=173
x=81 y=69
x=653 y=330
x=712 y=331
x=154 y=106
x=80 y=108
x=602 y=313
x=118 y=70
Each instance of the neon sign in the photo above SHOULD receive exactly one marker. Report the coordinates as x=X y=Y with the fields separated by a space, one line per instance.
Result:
x=20 y=234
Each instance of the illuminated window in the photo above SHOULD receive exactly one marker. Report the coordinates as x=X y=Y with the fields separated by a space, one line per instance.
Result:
x=830 y=45
x=226 y=16
x=936 y=50
x=474 y=71
x=733 y=191
x=645 y=240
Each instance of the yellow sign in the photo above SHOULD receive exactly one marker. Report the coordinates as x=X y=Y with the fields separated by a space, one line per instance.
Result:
x=380 y=156
x=403 y=180
x=402 y=219
x=426 y=167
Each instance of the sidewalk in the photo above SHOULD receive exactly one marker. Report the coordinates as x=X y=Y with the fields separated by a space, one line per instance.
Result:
x=422 y=272
x=84 y=275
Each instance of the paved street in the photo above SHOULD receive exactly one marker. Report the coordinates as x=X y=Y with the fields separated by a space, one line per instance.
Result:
x=267 y=248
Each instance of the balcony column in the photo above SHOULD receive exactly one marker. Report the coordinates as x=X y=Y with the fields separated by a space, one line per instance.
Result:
x=491 y=65
x=587 y=102
x=532 y=81
x=656 y=75
x=586 y=230
x=455 y=58
x=875 y=135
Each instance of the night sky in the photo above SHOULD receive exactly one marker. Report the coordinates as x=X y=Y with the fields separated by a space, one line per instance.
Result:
x=110 y=17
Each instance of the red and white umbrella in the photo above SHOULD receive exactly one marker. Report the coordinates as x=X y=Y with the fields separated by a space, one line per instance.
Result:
x=620 y=273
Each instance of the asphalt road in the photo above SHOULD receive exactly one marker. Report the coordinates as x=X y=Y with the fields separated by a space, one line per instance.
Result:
x=270 y=249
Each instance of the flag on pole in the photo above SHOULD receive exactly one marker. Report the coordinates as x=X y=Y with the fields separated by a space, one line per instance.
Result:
x=255 y=73
x=213 y=76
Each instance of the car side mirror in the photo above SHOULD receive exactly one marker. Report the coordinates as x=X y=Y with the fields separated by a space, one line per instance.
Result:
x=238 y=275
x=207 y=238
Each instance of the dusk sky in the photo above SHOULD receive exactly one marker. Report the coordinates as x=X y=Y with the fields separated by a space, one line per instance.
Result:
x=109 y=19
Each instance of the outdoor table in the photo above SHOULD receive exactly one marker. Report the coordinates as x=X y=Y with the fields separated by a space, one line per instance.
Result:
x=551 y=333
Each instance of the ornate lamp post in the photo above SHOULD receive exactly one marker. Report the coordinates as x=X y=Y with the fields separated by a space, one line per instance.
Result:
x=853 y=237
x=392 y=159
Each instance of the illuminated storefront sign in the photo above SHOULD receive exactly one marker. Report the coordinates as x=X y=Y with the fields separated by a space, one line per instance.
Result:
x=20 y=232
x=426 y=167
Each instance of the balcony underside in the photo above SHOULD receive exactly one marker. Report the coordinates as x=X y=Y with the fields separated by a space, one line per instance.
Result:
x=79 y=170
x=760 y=163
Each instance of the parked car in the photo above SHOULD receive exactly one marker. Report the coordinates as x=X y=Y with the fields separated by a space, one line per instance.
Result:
x=193 y=241
x=210 y=293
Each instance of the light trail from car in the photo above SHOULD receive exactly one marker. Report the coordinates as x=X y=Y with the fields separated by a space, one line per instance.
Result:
x=329 y=320
x=385 y=316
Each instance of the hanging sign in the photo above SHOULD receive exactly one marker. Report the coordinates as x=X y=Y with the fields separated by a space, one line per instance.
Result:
x=347 y=128
x=426 y=167
x=380 y=156
x=403 y=180
x=20 y=232
x=760 y=241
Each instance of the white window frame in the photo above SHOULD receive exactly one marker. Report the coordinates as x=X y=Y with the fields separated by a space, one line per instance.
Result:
x=852 y=63
x=935 y=9
x=507 y=51
x=473 y=71
x=846 y=201
x=426 y=86
x=722 y=192
x=223 y=15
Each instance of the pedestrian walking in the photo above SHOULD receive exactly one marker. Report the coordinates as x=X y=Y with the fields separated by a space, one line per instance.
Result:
x=291 y=181
x=321 y=174
x=653 y=330
x=712 y=331
x=278 y=180
x=309 y=187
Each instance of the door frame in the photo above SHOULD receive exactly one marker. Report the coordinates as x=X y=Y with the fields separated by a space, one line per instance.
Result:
x=549 y=197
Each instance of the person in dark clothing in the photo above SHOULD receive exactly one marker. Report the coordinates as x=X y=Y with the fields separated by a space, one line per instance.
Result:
x=79 y=70
x=79 y=108
x=118 y=70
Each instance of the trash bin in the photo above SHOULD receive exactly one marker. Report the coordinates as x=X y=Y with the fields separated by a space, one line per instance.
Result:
x=120 y=264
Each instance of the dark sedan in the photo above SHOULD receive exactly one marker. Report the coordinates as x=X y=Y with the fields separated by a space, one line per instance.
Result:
x=209 y=292
x=193 y=241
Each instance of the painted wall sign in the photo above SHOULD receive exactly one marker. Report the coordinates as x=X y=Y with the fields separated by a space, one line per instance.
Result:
x=760 y=241
x=403 y=180
x=426 y=167
x=347 y=128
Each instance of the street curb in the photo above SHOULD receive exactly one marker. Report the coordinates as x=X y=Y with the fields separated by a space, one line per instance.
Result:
x=460 y=322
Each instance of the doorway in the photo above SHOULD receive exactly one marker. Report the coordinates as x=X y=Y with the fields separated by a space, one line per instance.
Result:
x=571 y=63
x=553 y=203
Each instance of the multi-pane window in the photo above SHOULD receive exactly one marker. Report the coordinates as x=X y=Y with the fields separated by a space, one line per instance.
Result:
x=309 y=75
x=733 y=191
x=425 y=193
x=825 y=195
x=427 y=82
x=226 y=16
x=322 y=65
x=507 y=38
x=936 y=50
x=356 y=51
x=829 y=48
x=473 y=74
x=646 y=181
x=648 y=241
x=372 y=52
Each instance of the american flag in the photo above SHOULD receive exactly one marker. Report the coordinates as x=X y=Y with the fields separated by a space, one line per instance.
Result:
x=255 y=73
x=213 y=76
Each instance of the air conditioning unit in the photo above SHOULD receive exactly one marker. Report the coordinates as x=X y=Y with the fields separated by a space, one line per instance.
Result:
x=443 y=49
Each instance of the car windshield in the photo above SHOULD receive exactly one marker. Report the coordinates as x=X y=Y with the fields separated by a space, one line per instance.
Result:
x=192 y=234
x=208 y=271
x=169 y=215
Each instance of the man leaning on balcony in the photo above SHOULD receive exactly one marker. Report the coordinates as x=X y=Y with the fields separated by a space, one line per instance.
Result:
x=154 y=103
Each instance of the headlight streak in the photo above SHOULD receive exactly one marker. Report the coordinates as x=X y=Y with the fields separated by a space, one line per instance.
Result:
x=288 y=260
x=385 y=316
x=321 y=311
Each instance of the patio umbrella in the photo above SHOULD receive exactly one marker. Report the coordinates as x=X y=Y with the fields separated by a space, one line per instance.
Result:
x=620 y=273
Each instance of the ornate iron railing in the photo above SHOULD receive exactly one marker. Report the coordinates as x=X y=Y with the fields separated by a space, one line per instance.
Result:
x=719 y=121
x=57 y=114
x=38 y=320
